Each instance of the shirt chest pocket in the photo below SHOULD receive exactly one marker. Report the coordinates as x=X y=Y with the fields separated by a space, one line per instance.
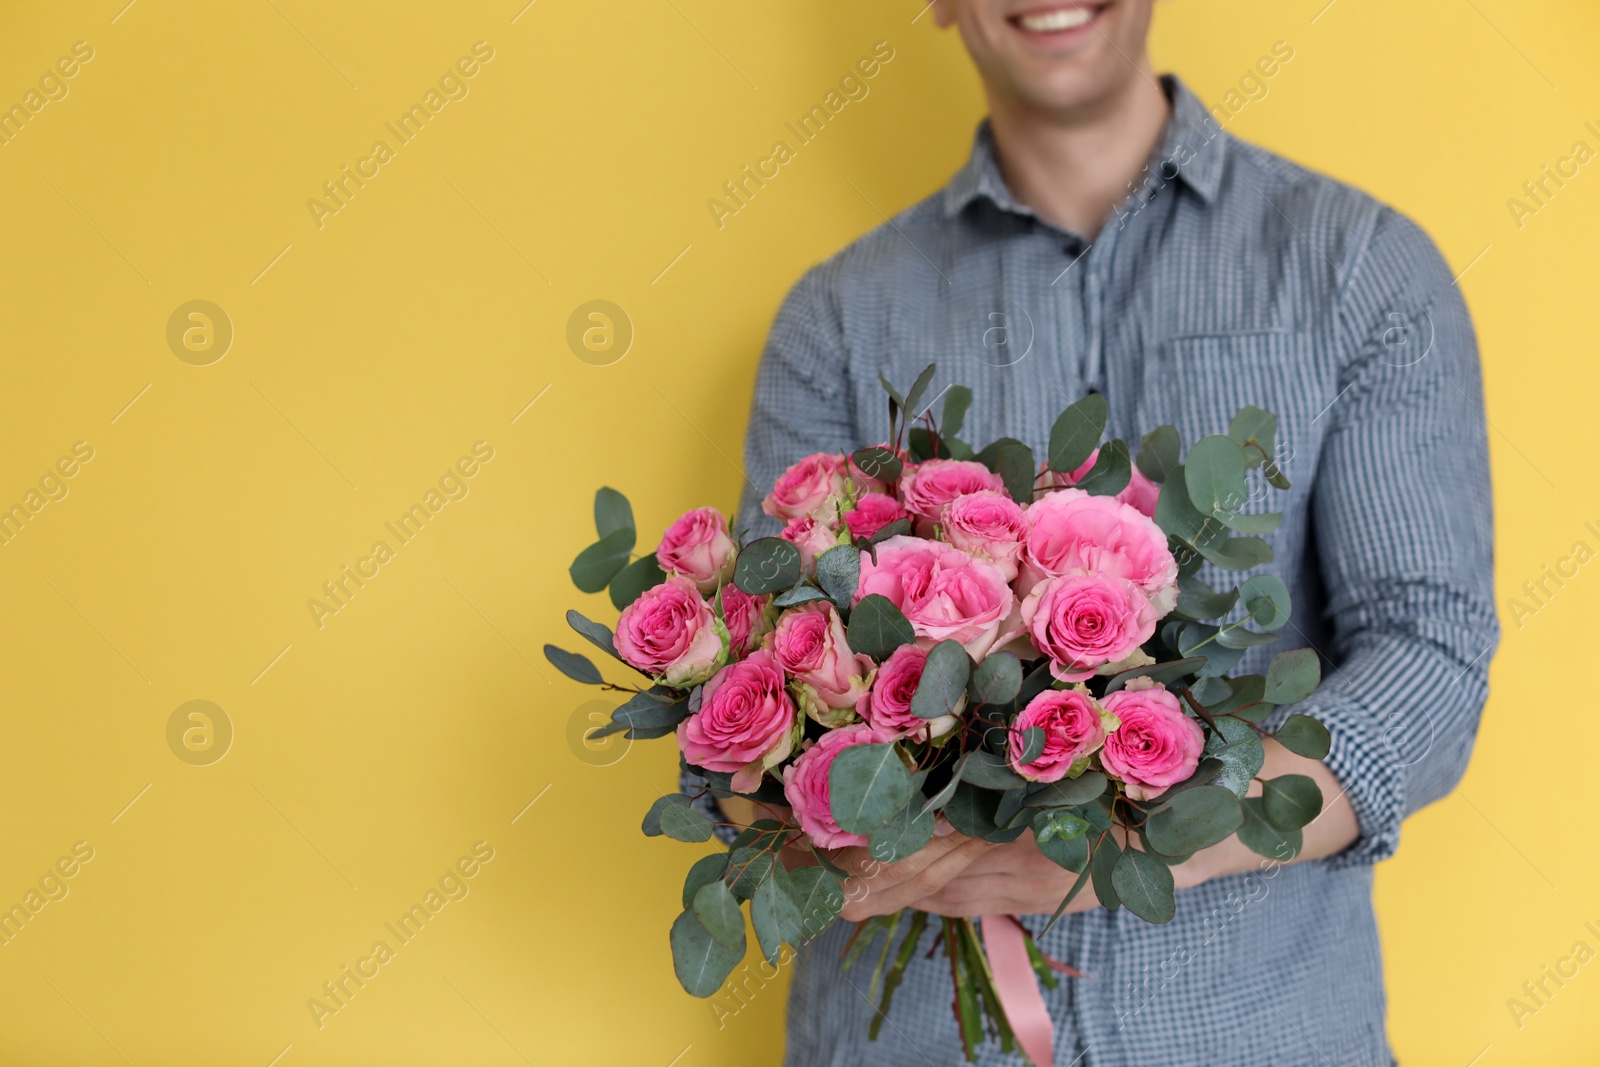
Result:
x=1196 y=383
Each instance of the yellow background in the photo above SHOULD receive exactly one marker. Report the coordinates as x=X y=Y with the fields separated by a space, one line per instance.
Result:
x=369 y=354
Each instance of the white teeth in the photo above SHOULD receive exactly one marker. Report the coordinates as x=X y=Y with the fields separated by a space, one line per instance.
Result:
x=1056 y=21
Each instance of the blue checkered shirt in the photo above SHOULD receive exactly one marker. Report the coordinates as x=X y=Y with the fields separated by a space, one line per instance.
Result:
x=1230 y=276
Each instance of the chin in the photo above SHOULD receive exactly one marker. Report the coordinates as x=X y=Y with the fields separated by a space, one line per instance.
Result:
x=1056 y=55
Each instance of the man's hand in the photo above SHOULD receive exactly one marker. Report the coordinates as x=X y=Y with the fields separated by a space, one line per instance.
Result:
x=961 y=876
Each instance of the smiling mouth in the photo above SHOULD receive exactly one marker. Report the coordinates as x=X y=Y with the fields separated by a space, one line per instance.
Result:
x=1056 y=22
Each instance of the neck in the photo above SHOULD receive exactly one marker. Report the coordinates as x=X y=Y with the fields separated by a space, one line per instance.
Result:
x=1074 y=168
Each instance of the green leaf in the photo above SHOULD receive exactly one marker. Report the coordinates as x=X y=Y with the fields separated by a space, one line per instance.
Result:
x=877 y=628
x=918 y=387
x=1013 y=462
x=706 y=869
x=817 y=896
x=1103 y=859
x=944 y=680
x=1237 y=553
x=1214 y=473
x=1068 y=792
x=1068 y=851
x=652 y=710
x=642 y=574
x=1264 y=523
x=972 y=812
x=1267 y=599
x=751 y=867
x=596 y=565
x=839 y=572
x=682 y=822
x=774 y=915
x=1304 y=736
x=612 y=512
x=997 y=680
x=957 y=399
x=701 y=962
x=1033 y=739
x=1058 y=824
x=1192 y=820
x=1111 y=472
x=878 y=463
x=1170 y=671
x=1289 y=801
x=597 y=634
x=1076 y=433
x=906 y=833
x=1198 y=600
x=1158 y=453
x=923 y=447
x=1177 y=517
x=1237 y=746
x=1264 y=839
x=574 y=665
x=1292 y=676
x=867 y=784
x=894 y=394
x=1254 y=429
x=1238 y=637
x=894 y=529
x=990 y=771
x=1144 y=885
x=800 y=594
x=942 y=797
x=719 y=913
x=767 y=565
x=652 y=818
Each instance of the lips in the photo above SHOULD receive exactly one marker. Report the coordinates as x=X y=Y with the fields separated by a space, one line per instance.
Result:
x=1056 y=19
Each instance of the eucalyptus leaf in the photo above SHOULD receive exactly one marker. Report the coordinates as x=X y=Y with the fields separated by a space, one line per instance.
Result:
x=596 y=633
x=1237 y=553
x=1192 y=820
x=642 y=574
x=612 y=512
x=1198 y=600
x=997 y=680
x=990 y=771
x=1076 y=433
x=574 y=665
x=944 y=680
x=839 y=572
x=767 y=565
x=1292 y=676
x=1267 y=599
x=1158 y=453
x=867 y=784
x=682 y=822
x=878 y=463
x=918 y=388
x=1103 y=857
x=818 y=896
x=800 y=594
x=906 y=833
x=1264 y=839
x=1254 y=429
x=1111 y=472
x=1068 y=792
x=701 y=962
x=1170 y=671
x=1070 y=853
x=1304 y=736
x=774 y=915
x=957 y=399
x=719 y=913
x=1144 y=886
x=877 y=628
x=1214 y=474
x=1237 y=746
x=1033 y=739
x=1238 y=637
x=602 y=561
x=1290 y=801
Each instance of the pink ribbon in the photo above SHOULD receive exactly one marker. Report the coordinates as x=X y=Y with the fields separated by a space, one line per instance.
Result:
x=1018 y=988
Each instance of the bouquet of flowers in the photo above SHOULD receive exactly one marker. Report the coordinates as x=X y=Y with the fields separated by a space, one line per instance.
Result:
x=1008 y=644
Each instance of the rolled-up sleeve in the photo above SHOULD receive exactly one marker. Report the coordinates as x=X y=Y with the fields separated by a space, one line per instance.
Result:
x=1403 y=526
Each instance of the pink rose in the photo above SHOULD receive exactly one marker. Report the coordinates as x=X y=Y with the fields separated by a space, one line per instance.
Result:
x=746 y=722
x=927 y=487
x=811 y=537
x=805 y=785
x=943 y=592
x=990 y=526
x=888 y=706
x=746 y=618
x=810 y=646
x=1140 y=493
x=698 y=547
x=1086 y=621
x=671 y=634
x=812 y=487
x=1072 y=729
x=873 y=511
x=1156 y=745
x=1071 y=532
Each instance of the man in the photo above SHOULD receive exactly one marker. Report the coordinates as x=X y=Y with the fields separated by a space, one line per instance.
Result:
x=1107 y=235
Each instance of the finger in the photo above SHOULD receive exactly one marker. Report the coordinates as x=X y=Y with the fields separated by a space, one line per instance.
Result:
x=871 y=896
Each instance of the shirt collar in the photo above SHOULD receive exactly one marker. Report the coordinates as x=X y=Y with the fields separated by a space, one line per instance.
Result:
x=1193 y=146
